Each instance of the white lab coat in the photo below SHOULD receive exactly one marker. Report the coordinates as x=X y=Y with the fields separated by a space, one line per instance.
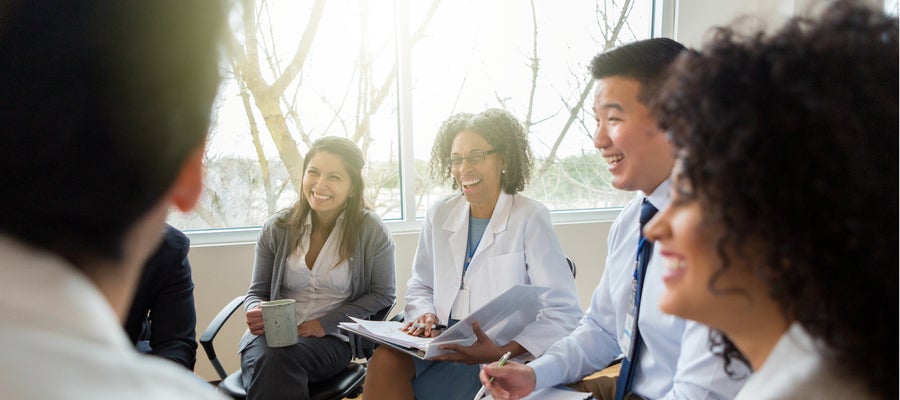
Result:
x=519 y=246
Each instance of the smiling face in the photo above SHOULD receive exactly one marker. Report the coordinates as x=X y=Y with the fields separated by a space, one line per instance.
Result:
x=687 y=238
x=636 y=149
x=326 y=184
x=480 y=183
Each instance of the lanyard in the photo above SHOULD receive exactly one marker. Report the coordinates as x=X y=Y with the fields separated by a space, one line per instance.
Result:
x=470 y=251
x=637 y=257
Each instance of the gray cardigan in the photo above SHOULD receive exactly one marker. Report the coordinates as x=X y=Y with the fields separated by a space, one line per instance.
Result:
x=373 y=280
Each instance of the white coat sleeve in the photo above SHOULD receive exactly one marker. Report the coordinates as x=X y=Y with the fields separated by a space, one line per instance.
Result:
x=546 y=266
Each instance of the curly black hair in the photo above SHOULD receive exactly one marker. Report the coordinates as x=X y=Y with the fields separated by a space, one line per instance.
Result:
x=791 y=140
x=499 y=128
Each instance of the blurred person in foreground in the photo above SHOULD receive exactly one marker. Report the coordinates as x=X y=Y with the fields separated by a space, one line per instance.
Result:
x=782 y=230
x=105 y=111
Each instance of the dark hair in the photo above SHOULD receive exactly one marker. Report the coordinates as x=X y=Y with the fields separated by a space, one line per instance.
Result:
x=791 y=141
x=353 y=159
x=102 y=102
x=645 y=61
x=499 y=128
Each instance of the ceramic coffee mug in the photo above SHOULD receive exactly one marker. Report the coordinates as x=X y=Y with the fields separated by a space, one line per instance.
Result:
x=280 y=322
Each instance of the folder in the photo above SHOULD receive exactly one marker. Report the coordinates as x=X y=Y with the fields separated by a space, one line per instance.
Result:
x=501 y=319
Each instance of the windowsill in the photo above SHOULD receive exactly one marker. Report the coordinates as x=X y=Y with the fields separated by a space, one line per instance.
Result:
x=237 y=236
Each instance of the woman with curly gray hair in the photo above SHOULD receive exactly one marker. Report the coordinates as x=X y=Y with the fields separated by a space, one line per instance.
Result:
x=782 y=230
x=474 y=245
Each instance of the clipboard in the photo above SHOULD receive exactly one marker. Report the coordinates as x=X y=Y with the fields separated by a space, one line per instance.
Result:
x=501 y=319
x=422 y=350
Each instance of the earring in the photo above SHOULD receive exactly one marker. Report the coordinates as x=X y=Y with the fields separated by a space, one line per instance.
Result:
x=503 y=172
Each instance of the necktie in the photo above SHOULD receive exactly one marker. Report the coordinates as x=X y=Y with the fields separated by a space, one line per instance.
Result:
x=642 y=258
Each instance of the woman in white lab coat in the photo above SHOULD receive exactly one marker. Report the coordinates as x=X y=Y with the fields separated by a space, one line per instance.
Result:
x=473 y=246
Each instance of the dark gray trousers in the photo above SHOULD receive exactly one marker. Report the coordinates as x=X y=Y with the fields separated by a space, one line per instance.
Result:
x=285 y=372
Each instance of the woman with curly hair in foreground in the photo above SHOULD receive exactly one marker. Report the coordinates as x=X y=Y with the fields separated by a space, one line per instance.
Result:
x=782 y=230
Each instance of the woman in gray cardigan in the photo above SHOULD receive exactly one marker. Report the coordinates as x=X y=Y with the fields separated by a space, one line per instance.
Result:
x=332 y=255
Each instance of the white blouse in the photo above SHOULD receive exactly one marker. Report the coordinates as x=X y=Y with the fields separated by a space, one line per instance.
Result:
x=325 y=286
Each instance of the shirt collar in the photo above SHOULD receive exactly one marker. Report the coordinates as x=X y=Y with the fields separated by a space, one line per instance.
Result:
x=661 y=195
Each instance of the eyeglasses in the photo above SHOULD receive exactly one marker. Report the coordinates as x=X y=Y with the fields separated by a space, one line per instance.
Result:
x=474 y=157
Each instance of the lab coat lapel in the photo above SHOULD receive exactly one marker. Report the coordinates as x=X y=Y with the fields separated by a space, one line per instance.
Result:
x=457 y=224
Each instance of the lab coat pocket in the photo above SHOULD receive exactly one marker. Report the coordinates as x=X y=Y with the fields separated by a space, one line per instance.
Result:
x=505 y=271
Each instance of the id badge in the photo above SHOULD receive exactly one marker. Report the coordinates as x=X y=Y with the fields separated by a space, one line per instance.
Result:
x=630 y=324
x=460 y=308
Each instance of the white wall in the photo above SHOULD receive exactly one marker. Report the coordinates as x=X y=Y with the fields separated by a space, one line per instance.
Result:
x=222 y=272
x=693 y=18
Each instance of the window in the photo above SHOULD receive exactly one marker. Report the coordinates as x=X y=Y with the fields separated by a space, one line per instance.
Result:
x=891 y=7
x=387 y=74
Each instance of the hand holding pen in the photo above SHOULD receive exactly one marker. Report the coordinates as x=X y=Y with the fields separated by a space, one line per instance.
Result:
x=511 y=381
x=484 y=386
x=424 y=325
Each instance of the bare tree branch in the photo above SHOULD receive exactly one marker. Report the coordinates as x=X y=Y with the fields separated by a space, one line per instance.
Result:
x=535 y=66
x=257 y=145
x=623 y=15
x=251 y=44
x=291 y=107
x=207 y=216
x=296 y=64
x=268 y=98
x=573 y=113
x=388 y=83
x=611 y=35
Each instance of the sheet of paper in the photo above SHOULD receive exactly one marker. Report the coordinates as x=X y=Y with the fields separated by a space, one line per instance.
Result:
x=503 y=317
x=554 y=393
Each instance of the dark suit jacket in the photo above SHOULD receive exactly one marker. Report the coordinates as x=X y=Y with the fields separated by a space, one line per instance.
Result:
x=163 y=313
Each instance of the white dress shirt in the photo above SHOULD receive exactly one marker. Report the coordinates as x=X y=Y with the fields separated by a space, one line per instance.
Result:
x=674 y=360
x=325 y=286
x=796 y=369
x=60 y=339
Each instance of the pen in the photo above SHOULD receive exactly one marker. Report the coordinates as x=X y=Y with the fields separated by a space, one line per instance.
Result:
x=437 y=326
x=499 y=364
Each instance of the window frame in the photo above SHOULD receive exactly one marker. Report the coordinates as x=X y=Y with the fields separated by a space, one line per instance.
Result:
x=663 y=26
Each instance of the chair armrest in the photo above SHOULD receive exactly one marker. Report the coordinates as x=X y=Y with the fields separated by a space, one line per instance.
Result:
x=382 y=314
x=206 y=339
x=362 y=347
x=400 y=317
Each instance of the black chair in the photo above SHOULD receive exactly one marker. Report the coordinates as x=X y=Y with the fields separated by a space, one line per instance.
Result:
x=348 y=383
